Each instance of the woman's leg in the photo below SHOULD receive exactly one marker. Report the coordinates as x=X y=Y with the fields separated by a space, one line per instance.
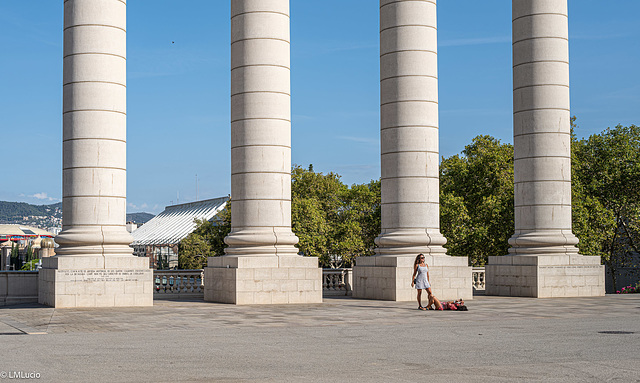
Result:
x=419 y=298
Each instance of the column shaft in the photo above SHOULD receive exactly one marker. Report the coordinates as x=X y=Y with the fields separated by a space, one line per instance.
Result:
x=94 y=129
x=409 y=129
x=260 y=129
x=542 y=153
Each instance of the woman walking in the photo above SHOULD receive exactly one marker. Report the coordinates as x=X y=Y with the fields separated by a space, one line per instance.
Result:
x=420 y=279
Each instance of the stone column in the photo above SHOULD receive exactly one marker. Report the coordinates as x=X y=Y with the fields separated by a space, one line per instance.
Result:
x=409 y=159
x=542 y=164
x=94 y=235
x=263 y=265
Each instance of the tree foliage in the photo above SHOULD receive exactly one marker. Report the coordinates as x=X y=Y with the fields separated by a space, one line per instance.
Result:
x=476 y=200
x=207 y=240
x=333 y=221
x=606 y=195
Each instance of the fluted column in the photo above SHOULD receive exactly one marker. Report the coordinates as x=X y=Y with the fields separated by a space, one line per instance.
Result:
x=541 y=126
x=260 y=130
x=409 y=129
x=94 y=129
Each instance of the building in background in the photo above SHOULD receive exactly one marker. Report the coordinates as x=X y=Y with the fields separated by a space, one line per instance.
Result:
x=29 y=242
x=160 y=237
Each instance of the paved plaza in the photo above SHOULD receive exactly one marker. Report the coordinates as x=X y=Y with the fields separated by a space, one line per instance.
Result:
x=341 y=340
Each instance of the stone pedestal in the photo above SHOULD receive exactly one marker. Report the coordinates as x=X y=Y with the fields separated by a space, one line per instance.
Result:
x=545 y=276
x=263 y=280
x=95 y=281
x=389 y=278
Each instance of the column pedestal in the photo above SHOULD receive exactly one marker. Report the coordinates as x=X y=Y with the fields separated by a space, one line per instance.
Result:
x=247 y=280
x=545 y=276
x=95 y=281
x=389 y=277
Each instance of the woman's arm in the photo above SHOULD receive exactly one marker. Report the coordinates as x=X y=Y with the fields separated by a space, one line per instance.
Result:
x=428 y=281
x=413 y=277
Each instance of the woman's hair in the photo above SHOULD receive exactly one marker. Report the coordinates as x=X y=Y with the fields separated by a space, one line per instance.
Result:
x=417 y=262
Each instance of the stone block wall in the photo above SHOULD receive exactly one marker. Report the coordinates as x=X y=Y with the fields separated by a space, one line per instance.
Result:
x=76 y=281
x=18 y=287
x=545 y=276
x=263 y=280
x=389 y=278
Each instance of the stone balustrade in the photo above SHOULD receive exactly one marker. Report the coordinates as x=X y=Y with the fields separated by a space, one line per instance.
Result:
x=336 y=282
x=477 y=278
x=178 y=283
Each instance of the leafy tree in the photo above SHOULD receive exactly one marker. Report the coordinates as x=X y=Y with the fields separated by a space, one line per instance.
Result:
x=606 y=195
x=206 y=240
x=476 y=200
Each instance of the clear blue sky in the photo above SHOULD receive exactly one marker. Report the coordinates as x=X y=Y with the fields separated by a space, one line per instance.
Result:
x=178 y=94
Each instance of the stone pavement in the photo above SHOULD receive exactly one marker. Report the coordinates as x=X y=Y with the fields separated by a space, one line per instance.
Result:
x=500 y=339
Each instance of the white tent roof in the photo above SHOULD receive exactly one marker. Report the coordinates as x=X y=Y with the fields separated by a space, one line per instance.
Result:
x=176 y=222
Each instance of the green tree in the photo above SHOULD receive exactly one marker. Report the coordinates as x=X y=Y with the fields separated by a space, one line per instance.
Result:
x=476 y=200
x=606 y=195
x=207 y=240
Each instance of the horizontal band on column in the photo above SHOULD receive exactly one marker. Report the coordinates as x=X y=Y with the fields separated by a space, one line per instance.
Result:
x=409 y=25
x=408 y=75
x=95 y=167
x=261 y=118
x=544 y=204
x=261 y=65
x=404 y=1
x=95 y=25
x=260 y=172
x=536 y=181
x=261 y=199
x=414 y=202
x=411 y=151
x=540 y=37
x=260 y=91
x=403 y=177
x=93 y=110
x=94 y=138
x=260 y=38
x=542 y=61
x=409 y=50
x=409 y=126
x=526 y=158
x=93 y=53
x=539 y=14
x=120 y=1
x=400 y=101
x=94 y=196
x=409 y=227
x=533 y=133
x=534 y=85
x=534 y=109
x=246 y=13
x=260 y=145
x=94 y=82
x=92 y=225
x=257 y=226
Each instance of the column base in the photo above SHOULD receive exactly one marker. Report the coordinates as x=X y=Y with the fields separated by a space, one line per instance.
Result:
x=544 y=276
x=95 y=281
x=389 y=278
x=263 y=280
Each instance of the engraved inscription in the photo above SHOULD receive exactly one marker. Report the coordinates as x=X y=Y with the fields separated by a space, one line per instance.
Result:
x=107 y=275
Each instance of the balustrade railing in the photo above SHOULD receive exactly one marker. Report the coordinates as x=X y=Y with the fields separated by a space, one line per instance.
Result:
x=477 y=275
x=336 y=282
x=179 y=283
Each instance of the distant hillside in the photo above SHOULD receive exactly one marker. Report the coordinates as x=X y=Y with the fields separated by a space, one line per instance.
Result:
x=46 y=216
x=15 y=212
x=139 y=218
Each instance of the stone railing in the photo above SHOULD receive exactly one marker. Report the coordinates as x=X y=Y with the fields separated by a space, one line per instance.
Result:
x=18 y=287
x=336 y=282
x=477 y=278
x=178 y=283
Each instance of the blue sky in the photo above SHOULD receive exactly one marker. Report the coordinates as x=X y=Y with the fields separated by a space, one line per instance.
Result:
x=178 y=93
